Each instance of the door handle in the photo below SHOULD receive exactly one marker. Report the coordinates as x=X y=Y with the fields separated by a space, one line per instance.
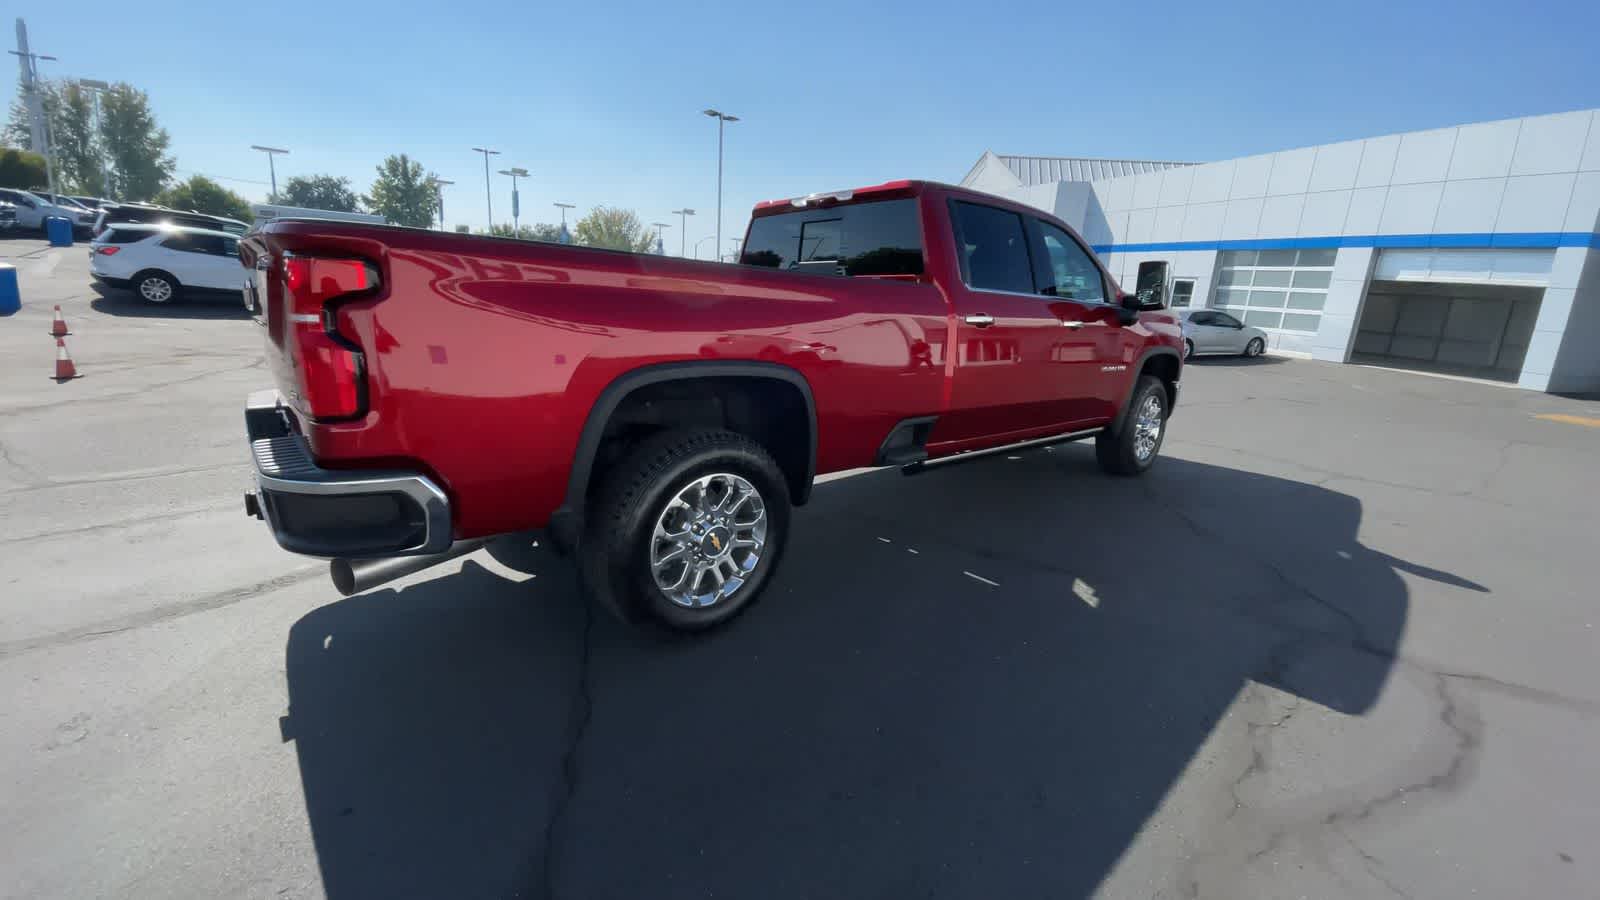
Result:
x=981 y=320
x=1071 y=323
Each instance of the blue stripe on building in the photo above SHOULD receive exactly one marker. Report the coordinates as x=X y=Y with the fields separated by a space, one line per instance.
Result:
x=1540 y=240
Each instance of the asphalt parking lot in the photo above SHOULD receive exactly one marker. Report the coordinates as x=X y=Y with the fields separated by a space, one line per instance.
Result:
x=1340 y=642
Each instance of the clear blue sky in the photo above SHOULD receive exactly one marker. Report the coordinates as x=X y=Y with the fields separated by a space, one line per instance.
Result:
x=601 y=101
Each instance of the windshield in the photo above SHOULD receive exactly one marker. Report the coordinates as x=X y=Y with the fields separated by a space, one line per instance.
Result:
x=882 y=238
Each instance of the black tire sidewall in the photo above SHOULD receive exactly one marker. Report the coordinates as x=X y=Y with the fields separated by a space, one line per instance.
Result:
x=1116 y=452
x=1256 y=347
x=630 y=556
x=1188 y=349
x=138 y=281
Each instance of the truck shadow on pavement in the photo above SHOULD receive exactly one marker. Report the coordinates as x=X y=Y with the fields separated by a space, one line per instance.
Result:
x=192 y=305
x=882 y=725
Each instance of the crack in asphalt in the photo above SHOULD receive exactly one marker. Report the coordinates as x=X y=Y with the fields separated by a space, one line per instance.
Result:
x=1374 y=866
x=581 y=713
x=119 y=523
x=142 y=391
x=158 y=614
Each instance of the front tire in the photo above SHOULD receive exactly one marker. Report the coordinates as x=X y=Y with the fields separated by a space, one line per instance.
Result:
x=1133 y=449
x=157 y=287
x=1255 y=348
x=1188 y=349
x=687 y=530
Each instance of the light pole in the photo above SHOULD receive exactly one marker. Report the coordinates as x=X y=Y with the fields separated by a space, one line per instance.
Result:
x=683 y=227
x=40 y=131
x=566 y=237
x=709 y=237
x=273 y=169
x=487 y=198
x=722 y=119
x=515 y=172
x=438 y=193
x=736 y=242
x=99 y=87
x=658 y=226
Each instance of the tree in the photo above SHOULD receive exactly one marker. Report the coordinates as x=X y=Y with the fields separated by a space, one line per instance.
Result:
x=135 y=146
x=403 y=194
x=539 y=232
x=69 y=119
x=327 y=192
x=613 y=229
x=21 y=169
x=201 y=194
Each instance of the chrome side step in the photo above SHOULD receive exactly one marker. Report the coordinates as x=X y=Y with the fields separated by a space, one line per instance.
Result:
x=970 y=455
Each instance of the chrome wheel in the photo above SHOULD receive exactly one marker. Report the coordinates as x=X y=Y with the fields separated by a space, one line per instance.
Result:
x=1255 y=347
x=1147 y=428
x=708 y=540
x=155 y=289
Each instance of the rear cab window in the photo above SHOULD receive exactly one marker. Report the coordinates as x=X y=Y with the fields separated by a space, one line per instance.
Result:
x=880 y=238
x=993 y=246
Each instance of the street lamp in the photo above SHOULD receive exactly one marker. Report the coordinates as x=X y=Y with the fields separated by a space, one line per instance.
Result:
x=683 y=227
x=273 y=169
x=438 y=192
x=658 y=226
x=515 y=172
x=709 y=237
x=487 y=199
x=99 y=87
x=722 y=119
x=566 y=237
x=40 y=130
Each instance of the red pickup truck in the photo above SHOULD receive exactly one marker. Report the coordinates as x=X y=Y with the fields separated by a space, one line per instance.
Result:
x=658 y=417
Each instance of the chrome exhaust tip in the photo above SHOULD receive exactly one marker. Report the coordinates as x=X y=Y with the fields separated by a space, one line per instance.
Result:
x=353 y=576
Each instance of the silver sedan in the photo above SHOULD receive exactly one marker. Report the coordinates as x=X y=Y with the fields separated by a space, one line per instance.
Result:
x=1212 y=331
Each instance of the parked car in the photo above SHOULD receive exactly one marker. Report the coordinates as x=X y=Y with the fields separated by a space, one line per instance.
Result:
x=91 y=202
x=151 y=214
x=657 y=417
x=1207 y=331
x=8 y=217
x=161 y=262
x=33 y=209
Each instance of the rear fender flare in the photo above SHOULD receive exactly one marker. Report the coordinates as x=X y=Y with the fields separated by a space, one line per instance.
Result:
x=566 y=523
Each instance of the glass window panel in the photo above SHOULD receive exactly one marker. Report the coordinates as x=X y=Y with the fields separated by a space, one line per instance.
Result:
x=1276 y=258
x=1306 y=300
x=1238 y=258
x=1272 y=299
x=1317 y=257
x=1182 y=292
x=1073 y=275
x=1301 y=322
x=1263 y=319
x=1234 y=297
x=996 y=248
x=1312 y=279
x=1235 y=276
x=1266 y=278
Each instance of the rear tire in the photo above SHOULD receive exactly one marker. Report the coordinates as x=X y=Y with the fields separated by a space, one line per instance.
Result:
x=156 y=287
x=1133 y=449
x=686 y=531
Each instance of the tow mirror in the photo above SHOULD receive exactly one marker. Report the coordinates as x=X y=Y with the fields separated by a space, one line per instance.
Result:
x=1150 y=288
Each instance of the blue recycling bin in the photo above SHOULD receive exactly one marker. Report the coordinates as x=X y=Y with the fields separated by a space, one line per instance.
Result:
x=10 y=294
x=59 y=231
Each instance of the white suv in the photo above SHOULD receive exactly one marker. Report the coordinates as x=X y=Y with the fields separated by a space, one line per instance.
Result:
x=160 y=261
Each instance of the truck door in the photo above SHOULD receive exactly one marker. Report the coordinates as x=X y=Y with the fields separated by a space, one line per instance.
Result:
x=1093 y=375
x=1010 y=340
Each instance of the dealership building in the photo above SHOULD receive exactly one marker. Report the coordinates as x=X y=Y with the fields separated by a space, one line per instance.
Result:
x=1469 y=250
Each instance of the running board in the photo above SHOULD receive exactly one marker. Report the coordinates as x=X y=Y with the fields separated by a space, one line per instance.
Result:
x=970 y=455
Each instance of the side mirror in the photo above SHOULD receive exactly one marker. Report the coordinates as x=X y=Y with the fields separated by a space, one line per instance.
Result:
x=1128 y=309
x=1151 y=285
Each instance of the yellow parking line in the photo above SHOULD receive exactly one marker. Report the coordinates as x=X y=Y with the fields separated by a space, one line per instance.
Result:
x=1571 y=420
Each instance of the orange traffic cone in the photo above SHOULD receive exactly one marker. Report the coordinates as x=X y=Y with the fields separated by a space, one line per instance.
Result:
x=59 y=326
x=65 y=370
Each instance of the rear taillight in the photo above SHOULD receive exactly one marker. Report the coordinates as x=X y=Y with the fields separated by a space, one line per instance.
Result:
x=331 y=365
x=108 y=251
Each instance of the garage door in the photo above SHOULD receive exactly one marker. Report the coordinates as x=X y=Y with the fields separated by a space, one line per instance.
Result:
x=1479 y=330
x=1468 y=312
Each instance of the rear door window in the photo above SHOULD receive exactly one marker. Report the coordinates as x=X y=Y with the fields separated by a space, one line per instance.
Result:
x=994 y=248
x=857 y=239
x=122 y=236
